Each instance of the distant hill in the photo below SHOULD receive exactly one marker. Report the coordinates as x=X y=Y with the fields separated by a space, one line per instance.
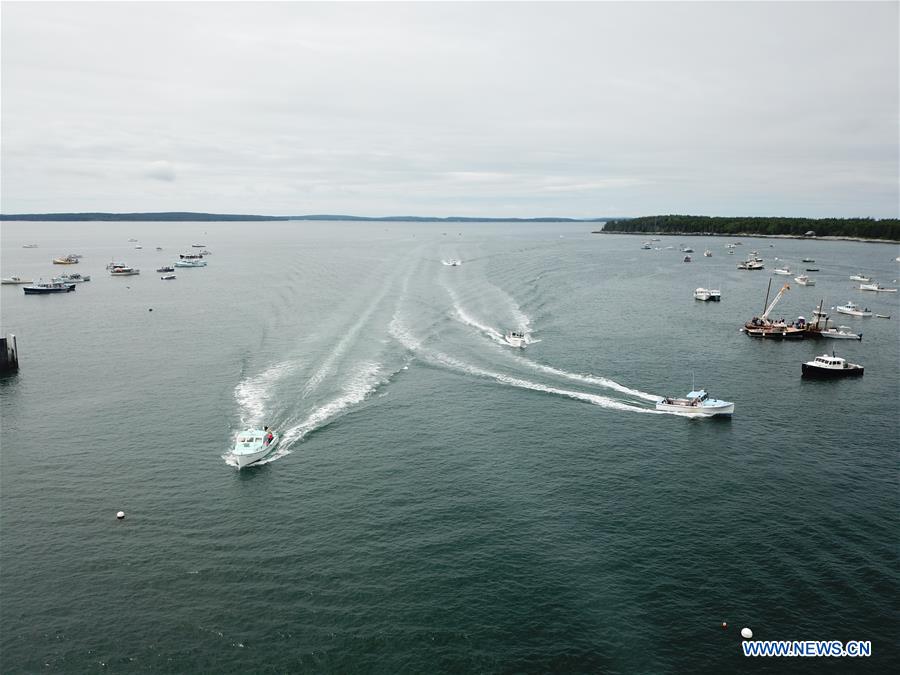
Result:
x=188 y=216
x=861 y=228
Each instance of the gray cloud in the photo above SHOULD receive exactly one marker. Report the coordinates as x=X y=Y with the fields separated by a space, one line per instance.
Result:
x=160 y=170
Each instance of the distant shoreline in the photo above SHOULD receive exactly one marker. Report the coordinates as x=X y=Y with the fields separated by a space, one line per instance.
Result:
x=738 y=235
x=193 y=217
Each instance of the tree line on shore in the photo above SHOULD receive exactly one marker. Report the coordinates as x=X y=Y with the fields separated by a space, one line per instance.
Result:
x=863 y=228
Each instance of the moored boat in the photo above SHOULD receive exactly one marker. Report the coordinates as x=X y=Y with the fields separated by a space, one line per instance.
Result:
x=707 y=253
x=840 y=333
x=707 y=294
x=190 y=263
x=251 y=445
x=804 y=280
x=878 y=288
x=826 y=366
x=29 y=245
x=783 y=271
x=696 y=403
x=165 y=268
x=45 y=288
x=123 y=271
x=167 y=277
x=66 y=260
x=807 y=260
x=687 y=258
x=860 y=277
x=16 y=280
x=73 y=278
x=852 y=309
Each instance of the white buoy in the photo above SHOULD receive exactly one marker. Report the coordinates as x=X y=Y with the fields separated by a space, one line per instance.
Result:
x=120 y=515
x=746 y=633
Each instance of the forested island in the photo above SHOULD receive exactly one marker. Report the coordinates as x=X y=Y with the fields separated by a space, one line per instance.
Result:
x=188 y=216
x=887 y=229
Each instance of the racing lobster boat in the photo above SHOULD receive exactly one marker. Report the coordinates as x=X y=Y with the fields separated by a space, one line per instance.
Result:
x=251 y=446
x=185 y=262
x=514 y=338
x=697 y=404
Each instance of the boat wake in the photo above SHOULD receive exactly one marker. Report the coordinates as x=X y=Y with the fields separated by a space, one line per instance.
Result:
x=403 y=335
x=252 y=394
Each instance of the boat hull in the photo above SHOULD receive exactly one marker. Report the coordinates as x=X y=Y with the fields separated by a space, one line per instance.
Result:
x=697 y=411
x=831 y=373
x=38 y=290
x=247 y=458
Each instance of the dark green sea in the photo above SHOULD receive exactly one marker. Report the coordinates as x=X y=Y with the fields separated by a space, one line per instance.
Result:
x=438 y=502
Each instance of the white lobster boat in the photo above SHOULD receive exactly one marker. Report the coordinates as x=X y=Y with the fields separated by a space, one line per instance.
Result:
x=514 y=338
x=697 y=404
x=251 y=445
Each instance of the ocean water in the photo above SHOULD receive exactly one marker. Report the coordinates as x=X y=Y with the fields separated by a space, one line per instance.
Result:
x=438 y=501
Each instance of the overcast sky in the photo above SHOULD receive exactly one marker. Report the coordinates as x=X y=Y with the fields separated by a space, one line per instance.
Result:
x=474 y=109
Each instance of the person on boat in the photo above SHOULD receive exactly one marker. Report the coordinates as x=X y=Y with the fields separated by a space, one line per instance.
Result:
x=269 y=436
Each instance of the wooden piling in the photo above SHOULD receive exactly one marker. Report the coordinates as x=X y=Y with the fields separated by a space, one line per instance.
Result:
x=9 y=355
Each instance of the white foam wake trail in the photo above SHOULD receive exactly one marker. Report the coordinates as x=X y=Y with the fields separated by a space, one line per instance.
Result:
x=253 y=393
x=589 y=379
x=349 y=336
x=522 y=319
x=355 y=391
x=408 y=340
x=492 y=333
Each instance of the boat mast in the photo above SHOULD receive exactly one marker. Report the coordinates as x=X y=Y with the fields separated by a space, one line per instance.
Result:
x=766 y=301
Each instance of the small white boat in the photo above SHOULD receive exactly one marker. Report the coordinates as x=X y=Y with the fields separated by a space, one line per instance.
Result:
x=74 y=278
x=783 y=271
x=841 y=333
x=139 y=246
x=826 y=366
x=251 y=445
x=454 y=262
x=514 y=338
x=882 y=316
x=707 y=294
x=751 y=264
x=878 y=288
x=66 y=260
x=860 y=277
x=190 y=263
x=16 y=280
x=853 y=309
x=707 y=253
x=697 y=404
x=166 y=277
x=646 y=246
x=687 y=249
x=804 y=280
x=123 y=271
x=29 y=245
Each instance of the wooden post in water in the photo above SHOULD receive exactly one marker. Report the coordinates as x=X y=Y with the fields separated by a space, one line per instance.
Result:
x=9 y=355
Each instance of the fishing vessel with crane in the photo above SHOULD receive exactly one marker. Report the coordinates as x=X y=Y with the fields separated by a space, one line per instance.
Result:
x=764 y=327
